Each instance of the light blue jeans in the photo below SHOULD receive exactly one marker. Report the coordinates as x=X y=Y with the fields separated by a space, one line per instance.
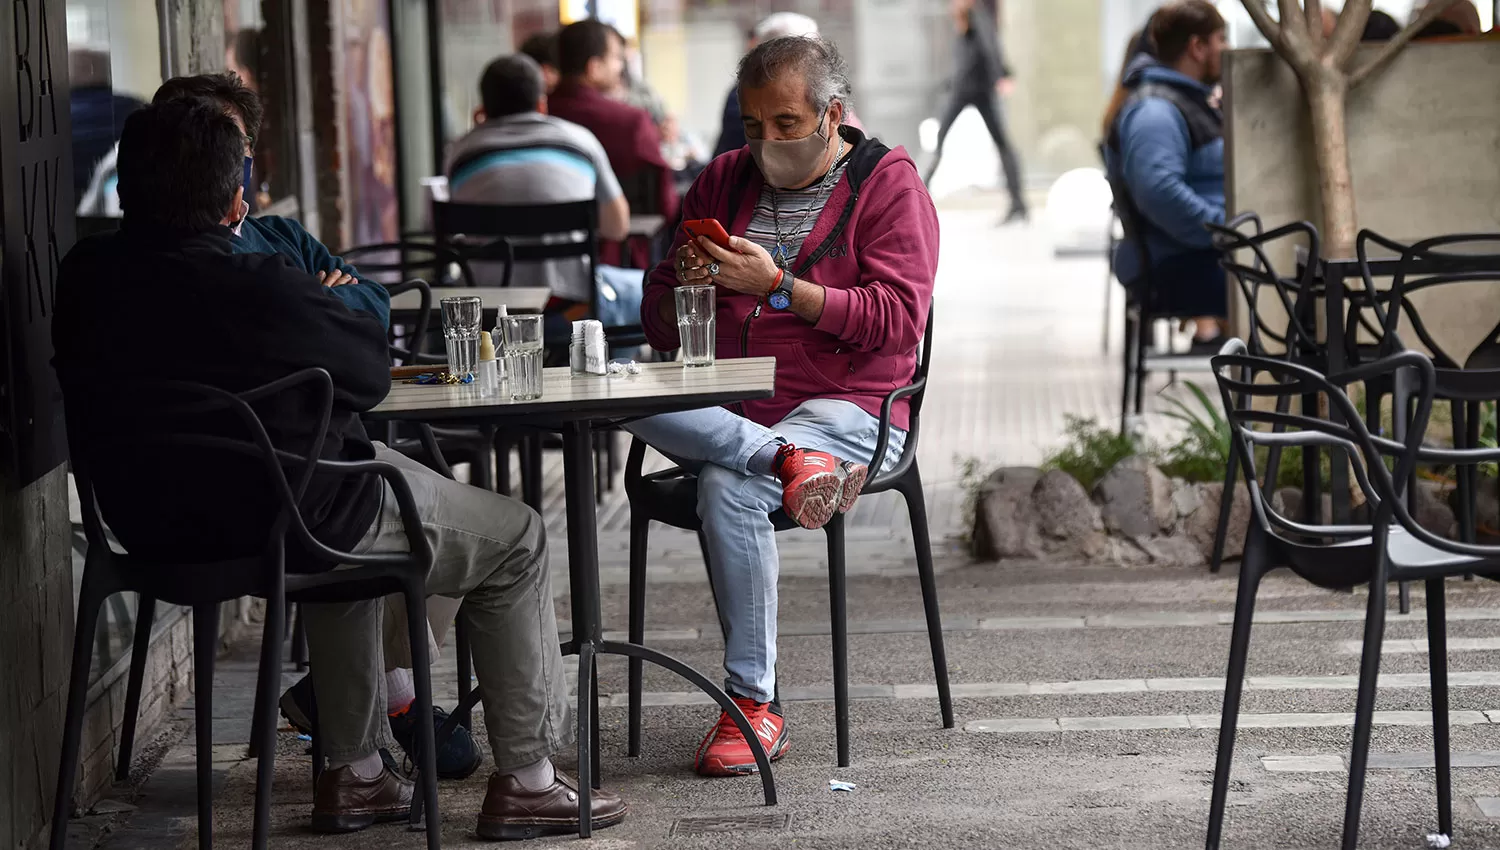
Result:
x=619 y=296
x=735 y=506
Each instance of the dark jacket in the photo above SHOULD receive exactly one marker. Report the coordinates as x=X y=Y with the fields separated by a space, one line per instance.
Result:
x=1167 y=148
x=732 y=127
x=272 y=234
x=134 y=306
x=979 y=62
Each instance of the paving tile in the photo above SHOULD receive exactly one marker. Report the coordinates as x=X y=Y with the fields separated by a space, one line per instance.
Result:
x=1090 y=686
x=1003 y=623
x=1014 y=725
x=1488 y=806
x=1303 y=764
x=1124 y=723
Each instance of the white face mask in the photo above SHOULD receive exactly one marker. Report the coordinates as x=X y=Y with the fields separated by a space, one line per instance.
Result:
x=244 y=214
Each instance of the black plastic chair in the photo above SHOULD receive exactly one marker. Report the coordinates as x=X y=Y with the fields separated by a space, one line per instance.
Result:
x=1141 y=311
x=1394 y=547
x=671 y=497
x=204 y=584
x=394 y=262
x=1296 y=342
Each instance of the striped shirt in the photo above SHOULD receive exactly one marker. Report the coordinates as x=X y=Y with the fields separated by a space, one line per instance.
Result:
x=792 y=212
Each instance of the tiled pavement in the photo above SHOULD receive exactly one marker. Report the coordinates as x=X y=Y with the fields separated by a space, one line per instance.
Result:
x=1087 y=696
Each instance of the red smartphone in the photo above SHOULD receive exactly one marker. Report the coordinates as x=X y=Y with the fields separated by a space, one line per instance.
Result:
x=709 y=227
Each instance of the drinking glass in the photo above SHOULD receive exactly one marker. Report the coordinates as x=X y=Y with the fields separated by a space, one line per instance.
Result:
x=461 y=320
x=522 y=344
x=695 y=324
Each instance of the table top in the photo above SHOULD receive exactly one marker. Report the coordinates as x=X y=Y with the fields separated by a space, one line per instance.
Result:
x=659 y=388
x=517 y=299
x=1385 y=260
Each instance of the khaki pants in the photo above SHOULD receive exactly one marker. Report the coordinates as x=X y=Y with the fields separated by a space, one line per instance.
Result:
x=489 y=551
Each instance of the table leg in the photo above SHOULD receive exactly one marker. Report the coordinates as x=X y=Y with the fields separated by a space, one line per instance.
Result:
x=583 y=579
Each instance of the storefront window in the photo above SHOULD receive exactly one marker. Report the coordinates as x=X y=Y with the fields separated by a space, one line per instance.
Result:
x=254 y=52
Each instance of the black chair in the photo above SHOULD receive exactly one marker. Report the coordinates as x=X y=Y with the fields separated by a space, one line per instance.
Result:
x=1296 y=342
x=671 y=497
x=1465 y=381
x=394 y=262
x=1141 y=310
x=206 y=583
x=1393 y=547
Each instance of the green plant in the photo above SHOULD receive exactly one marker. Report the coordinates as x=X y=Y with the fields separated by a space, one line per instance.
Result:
x=1091 y=450
x=1487 y=423
x=971 y=478
x=1202 y=453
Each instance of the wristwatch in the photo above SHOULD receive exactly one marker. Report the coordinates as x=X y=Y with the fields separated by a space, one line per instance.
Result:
x=780 y=298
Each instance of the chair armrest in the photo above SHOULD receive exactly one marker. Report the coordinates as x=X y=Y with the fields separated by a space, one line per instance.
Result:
x=420 y=551
x=883 y=436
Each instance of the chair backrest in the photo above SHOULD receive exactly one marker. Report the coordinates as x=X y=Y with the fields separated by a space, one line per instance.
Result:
x=1382 y=467
x=1233 y=242
x=642 y=190
x=410 y=259
x=1424 y=266
x=175 y=425
x=415 y=336
x=528 y=232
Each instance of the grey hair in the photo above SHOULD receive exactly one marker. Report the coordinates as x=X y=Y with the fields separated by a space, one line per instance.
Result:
x=813 y=58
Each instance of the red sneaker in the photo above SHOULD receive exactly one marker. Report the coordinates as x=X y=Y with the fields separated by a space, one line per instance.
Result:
x=725 y=752
x=815 y=485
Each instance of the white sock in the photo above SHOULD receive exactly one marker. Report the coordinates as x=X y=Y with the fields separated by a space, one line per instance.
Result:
x=365 y=767
x=535 y=777
x=400 y=690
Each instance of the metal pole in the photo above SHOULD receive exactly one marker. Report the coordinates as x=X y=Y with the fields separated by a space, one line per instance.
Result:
x=393 y=11
x=435 y=81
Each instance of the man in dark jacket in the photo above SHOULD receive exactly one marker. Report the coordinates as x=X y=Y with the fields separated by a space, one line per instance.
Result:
x=168 y=296
x=980 y=76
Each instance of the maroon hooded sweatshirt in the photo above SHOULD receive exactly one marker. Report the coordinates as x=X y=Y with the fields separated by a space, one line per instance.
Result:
x=874 y=248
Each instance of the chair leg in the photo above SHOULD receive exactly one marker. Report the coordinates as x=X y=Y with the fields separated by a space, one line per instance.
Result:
x=611 y=458
x=531 y=471
x=416 y=632
x=1128 y=344
x=838 y=610
x=1467 y=475
x=78 y=689
x=465 y=668
x=205 y=650
x=145 y=617
x=1226 y=507
x=916 y=508
x=599 y=473
x=1144 y=329
x=502 y=463
x=1437 y=663
x=1252 y=566
x=267 y=690
x=1364 y=708
x=640 y=529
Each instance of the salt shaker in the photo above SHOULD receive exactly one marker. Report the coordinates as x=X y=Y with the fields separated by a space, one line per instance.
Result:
x=577 y=349
x=488 y=376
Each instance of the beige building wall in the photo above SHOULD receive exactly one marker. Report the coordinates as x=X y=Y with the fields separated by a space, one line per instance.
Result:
x=1424 y=139
x=1056 y=51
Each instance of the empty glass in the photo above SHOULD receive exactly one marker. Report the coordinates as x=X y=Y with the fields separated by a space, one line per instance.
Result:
x=522 y=344
x=695 y=324
x=461 y=319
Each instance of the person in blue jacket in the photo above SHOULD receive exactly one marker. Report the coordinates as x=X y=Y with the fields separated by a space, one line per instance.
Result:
x=1166 y=150
x=274 y=234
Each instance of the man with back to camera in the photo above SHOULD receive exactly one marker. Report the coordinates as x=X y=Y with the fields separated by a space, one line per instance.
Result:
x=1167 y=151
x=255 y=318
x=518 y=154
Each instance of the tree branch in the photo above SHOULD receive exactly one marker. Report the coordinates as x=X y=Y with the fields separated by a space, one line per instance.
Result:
x=1348 y=32
x=1268 y=28
x=1296 y=42
x=1313 y=14
x=1389 y=50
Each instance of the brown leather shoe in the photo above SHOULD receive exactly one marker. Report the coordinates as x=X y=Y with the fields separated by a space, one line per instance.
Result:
x=512 y=813
x=344 y=802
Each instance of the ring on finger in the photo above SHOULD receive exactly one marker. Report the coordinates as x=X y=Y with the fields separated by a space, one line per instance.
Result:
x=713 y=269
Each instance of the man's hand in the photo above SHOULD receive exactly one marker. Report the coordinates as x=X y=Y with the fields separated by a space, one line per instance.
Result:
x=743 y=267
x=691 y=267
x=335 y=278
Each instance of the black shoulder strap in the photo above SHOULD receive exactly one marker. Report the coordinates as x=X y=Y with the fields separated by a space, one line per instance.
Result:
x=1205 y=124
x=867 y=153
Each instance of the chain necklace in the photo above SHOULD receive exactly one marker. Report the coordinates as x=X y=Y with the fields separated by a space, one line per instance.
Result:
x=782 y=255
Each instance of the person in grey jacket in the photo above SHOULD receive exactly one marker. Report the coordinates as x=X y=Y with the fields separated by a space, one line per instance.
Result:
x=980 y=76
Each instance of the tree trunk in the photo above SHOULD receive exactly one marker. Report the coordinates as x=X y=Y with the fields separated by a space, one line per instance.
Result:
x=1326 y=94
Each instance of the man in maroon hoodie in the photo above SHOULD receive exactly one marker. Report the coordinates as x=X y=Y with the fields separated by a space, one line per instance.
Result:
x=830 y=270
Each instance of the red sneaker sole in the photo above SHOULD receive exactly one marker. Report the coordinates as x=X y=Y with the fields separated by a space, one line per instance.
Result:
x=856 y=474
x=711 y=766
x=811 y=504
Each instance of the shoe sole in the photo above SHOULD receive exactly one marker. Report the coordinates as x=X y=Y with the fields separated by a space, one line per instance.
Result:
x=341 y=823
x=814 y=501
x=855 y=476
x=715 y=768
x=507 y=829
x=293 y=714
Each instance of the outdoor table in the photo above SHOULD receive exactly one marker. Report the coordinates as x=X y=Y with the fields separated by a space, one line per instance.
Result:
x=517 y=299
x=574 y=406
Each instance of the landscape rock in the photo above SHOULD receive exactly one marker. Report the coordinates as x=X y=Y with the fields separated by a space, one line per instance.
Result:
x=1172 y=551
x=1432 y=508
x=1135 y=499
x=1069 y=521
x=1202 y=525
x=1005 y=521
x=1186 y=497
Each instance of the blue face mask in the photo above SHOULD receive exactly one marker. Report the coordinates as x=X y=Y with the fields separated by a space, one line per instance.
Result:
x=249 y=176
x=245 y=203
